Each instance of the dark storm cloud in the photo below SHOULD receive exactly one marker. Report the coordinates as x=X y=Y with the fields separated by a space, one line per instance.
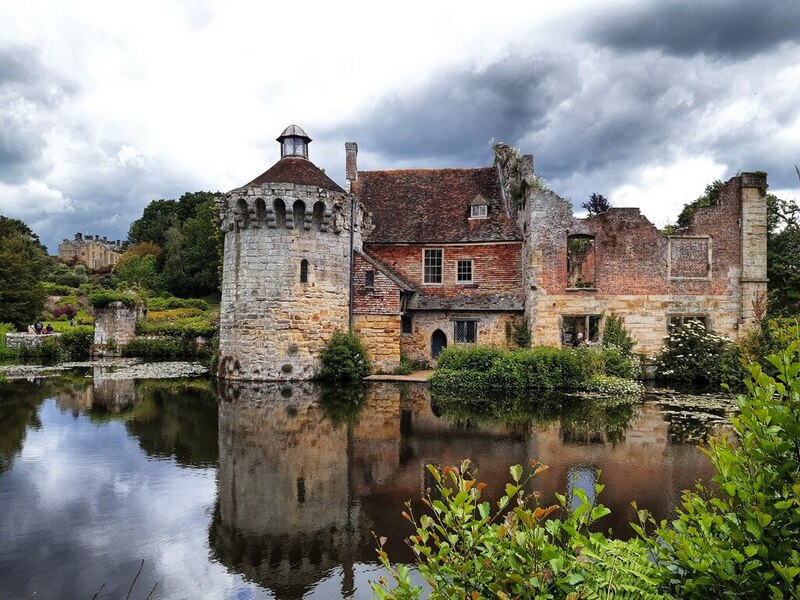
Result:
x=454 y=117
x=721 y=28
x=27 y=89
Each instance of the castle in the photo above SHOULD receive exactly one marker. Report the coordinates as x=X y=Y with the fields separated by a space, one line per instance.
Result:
x=415 y=260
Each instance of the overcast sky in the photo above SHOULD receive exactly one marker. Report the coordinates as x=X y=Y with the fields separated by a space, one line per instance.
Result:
x=105 y=106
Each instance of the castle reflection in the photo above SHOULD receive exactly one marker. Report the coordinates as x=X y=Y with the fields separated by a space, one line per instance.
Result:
x=305 y=476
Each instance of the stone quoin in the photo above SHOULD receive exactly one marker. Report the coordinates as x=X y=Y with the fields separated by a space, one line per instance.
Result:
x=416 y=260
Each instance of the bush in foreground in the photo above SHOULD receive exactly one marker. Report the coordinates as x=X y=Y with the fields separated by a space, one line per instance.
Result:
x=345 y=358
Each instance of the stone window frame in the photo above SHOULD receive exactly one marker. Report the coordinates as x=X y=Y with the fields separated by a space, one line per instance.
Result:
x=459 y=271
x=426 y=266
x=590 y=286
x=369 y=279
x=469 y=329
x=683 y=317
x=304 y=269
x=710 y=240
x=588 y=317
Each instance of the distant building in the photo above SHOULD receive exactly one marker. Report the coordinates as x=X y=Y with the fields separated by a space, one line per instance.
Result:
x=91 y=250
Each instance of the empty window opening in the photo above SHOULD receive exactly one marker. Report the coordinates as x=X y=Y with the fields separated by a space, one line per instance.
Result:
x=261 y=210
x=243 y=213
x=301 y=490
x=369 y=279
x=304 y=271
x=466 y=332
x=406 y=324
x=581 y=261
x=577 y=330
x=464 y=271
x=432 y=266
x=279 y=206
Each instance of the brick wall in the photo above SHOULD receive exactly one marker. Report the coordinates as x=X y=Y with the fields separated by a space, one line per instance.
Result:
x=496 y=268
x=383 y=298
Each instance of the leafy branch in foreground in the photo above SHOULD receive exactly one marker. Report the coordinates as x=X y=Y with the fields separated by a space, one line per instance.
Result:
x=466 y=548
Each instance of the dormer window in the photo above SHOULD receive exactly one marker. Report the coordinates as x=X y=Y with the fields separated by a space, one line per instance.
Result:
x=478 y=208
x=294 y=142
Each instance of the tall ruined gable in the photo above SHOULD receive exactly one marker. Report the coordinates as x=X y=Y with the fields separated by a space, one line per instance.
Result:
x=434 y=206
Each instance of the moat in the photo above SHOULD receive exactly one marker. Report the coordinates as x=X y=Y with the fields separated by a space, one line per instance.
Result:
x=275 y=490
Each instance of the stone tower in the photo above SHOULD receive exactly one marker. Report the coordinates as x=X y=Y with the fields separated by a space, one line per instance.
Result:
x=286 y=267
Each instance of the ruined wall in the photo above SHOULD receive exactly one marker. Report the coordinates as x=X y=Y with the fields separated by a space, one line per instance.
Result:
x=115 y=323
x=28 y=340
x=381 y=298
x=496 y=267
x=272 y=325
x=640 y=274
x=491 y=330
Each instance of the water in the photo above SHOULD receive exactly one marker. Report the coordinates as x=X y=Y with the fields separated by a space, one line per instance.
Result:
x=274 y=491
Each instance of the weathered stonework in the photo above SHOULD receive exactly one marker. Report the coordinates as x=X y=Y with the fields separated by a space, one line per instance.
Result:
x=115 y=324
x=380 y=334
x=28 y=340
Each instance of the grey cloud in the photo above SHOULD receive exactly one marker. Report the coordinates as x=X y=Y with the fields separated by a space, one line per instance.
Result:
x=721 y=28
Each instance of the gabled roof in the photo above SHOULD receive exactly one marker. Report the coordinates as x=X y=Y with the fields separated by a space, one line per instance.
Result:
x=398 y=281
x=433 y=206
x=298 y=170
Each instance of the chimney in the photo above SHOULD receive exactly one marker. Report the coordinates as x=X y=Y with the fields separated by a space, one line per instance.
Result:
x=350 y=164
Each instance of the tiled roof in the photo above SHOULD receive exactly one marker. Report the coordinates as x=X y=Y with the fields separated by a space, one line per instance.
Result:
x=495 y=302
x=398 y=281
x=293 y=169
x=421 y=206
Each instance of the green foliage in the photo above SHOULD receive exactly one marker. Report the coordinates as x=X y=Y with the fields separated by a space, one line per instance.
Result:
x=695 y=355
x=596 y=205
x=345 y=358
x=191 y=327
x=469 y=357
x=518 y=333
x=465 y=548
x=612 y=386
x=741 y=539
x=103 y=298
x=78 y=340
x=139 y=271
x=615 y=335
x=55 y=289
x=160 y=348
x=167 y=302
x=23 y=263
x=710 y=197
x=783 y=256
x=406 y=367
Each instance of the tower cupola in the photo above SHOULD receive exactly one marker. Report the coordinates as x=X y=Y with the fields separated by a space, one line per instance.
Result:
x=294 y=142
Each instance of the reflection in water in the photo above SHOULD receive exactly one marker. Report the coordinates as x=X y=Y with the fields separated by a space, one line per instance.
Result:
x=303 y=477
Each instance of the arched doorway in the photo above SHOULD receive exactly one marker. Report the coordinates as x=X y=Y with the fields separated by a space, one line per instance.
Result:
x=438 y=343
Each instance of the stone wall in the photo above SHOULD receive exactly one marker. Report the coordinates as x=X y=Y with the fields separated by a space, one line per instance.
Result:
x=644 y=276
x=115 y=323
x=491 y=330
x=380 y=334
x=28 y=340
x=273 y=325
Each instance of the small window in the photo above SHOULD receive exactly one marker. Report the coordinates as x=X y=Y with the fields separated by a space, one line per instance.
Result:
x=464 y=271
x=479 y=211
x=405 y=323
x=369 y=279
x=432 y=266
x=466 y=332
x=577 y=330
x=676 y=322
x=304 y=271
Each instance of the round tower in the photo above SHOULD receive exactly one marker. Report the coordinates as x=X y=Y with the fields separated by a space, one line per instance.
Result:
x=286 y=267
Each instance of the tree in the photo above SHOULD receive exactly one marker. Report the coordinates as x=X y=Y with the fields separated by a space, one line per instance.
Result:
x=783 y=256
x=23 y=261
x=138 y=270
x=596 y=205
x=710 y=197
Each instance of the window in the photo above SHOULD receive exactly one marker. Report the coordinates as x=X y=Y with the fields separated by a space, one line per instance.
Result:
x=464 y=271
x=304 y=271
x=580 y=261
x=478 y=211
x=405 y=324
x=675 y=322
x=466 y=332
x=579 y=329
x=369 y=279
x=432 y=266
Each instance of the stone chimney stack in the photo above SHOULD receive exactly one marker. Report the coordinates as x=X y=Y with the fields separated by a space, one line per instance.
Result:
x=350 y=165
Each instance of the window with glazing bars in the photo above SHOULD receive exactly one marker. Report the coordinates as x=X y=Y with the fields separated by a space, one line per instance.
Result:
x=464 y=271
x=432 y=266
x=466 y=332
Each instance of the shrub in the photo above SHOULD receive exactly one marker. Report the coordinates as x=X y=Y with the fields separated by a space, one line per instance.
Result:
x=173 y=313
x=64 y=312
x=478 y=358
x=184 y=328
x=158 y=348
x=345 y=358
x=610 y=385
x=78 y=340
x=615 y=335
x=466 y=549
x=741 y=539
x=103 y=298
x=406 y=367
x=693 y=355
x=54 y=289
x=166 y=302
